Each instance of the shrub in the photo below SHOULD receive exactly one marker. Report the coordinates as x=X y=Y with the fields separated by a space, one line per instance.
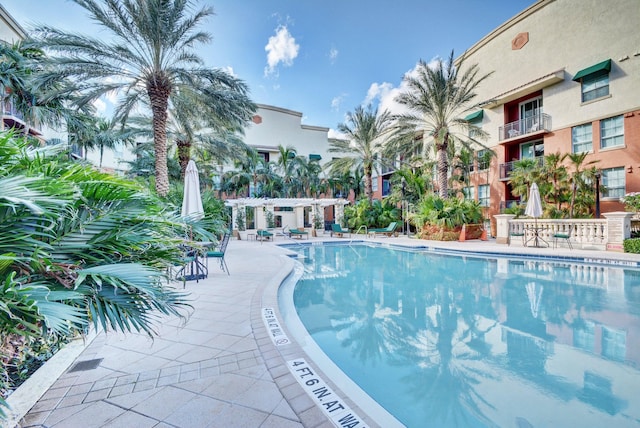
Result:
x=631 y=201
x=632 y=245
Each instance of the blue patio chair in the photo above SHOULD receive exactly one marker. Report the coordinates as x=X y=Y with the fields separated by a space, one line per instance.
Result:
x=219 y=252
x=339 y=231
x=298 y=233
x=387 y=231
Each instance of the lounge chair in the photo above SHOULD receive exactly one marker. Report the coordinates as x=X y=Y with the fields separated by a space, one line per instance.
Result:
x=263 y=235
x=388 y=231
x=218 y=253
x=298 y=233
x=339 y=231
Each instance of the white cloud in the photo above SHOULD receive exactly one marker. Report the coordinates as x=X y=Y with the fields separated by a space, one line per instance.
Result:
x=336 y=134
x=281 y=49
x=229 y=70
x=333 y=55
x=336 y=102
x=100 y=105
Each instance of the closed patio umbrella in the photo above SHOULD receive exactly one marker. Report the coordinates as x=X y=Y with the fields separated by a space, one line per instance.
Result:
x=192 y=209
x=534 y=209
x=192 y=200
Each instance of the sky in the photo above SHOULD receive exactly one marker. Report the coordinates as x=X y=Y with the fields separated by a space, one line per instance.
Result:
x=322 y=58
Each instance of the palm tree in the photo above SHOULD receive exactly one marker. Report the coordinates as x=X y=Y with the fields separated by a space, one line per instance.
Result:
x=149 y=56
x=366 y=133
x=436 y=98
x=287 y=163
x=20 y=64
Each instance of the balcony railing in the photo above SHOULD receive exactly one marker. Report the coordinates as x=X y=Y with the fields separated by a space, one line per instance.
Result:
x=526 y=126
x=506 y=168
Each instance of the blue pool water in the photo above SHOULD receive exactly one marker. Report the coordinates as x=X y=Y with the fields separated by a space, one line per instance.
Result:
x=440 y=340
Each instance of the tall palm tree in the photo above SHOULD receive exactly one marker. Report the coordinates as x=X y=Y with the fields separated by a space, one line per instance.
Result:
x=149 y=56
x=366 y=134
x=438 y=98
x=287 y=163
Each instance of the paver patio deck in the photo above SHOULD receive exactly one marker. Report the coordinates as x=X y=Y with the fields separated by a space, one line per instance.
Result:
x=219 y=367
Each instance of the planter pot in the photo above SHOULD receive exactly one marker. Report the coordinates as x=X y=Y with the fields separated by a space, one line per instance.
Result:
x=439 y=233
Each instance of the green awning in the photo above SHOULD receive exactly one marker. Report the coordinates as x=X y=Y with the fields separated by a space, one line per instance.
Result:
x=315 y=157
x=601 y=66
x=473 y=117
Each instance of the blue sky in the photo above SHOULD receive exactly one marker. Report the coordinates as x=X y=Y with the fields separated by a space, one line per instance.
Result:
x=321 y=58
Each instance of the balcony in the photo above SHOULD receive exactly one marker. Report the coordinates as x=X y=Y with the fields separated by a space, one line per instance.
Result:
x=506 y=168
x=526 y=126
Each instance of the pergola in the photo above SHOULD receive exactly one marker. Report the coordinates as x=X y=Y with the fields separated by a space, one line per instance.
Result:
x=291 y=218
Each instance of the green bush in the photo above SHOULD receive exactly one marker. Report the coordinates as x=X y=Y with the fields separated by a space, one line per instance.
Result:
x=449 y=213
x=371 y=214
x=632 y=245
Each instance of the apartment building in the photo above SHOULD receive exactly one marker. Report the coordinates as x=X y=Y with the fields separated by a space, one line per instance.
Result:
x=565 y=79
x=11 y=32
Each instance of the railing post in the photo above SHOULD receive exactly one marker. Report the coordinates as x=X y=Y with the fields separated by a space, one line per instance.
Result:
x=619 y=229
x=502 y=227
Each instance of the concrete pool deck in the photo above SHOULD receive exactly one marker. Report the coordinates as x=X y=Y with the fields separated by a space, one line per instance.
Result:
x=220 y=367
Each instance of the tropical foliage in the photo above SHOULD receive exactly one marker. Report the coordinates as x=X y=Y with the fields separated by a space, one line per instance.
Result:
x=434 y=213
x=437 y=98
x=366 y=132
x=78 y=247
x=376 y=214
x=566 y=184
x=148 y=56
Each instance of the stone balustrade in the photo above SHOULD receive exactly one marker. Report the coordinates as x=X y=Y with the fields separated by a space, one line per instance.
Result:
x=596 y=234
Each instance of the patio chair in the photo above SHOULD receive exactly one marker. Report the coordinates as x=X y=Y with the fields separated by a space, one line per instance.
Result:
x=298 y=233
x=339 y=231
x=516 y=234
x=263 y=235
x=562 y=235
x=219 y=252
x=387 y=231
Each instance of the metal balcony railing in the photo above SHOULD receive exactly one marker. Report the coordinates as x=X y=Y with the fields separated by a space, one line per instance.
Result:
x=529 y=125
x=506 y=168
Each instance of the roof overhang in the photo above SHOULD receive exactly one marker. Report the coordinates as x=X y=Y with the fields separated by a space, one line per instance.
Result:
x=529 y=87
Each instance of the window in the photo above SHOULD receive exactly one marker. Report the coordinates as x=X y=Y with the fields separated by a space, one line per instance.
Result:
x=265 y=156
x=612 y=132
x=483 y=195
x=595 y=86
x=374 y=184
x=532 y=150
x=484 y=159
x=469 y=193
x=613 y=182
x=614 y=344
x=581 y=138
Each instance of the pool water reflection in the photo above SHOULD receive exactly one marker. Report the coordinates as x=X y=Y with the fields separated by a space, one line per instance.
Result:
x=448 y=341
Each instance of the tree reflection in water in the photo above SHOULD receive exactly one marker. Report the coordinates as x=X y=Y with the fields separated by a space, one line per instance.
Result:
x=443 y=329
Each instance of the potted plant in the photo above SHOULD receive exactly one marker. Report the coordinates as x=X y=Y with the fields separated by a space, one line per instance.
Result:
x=317 y=224
x=241 y=225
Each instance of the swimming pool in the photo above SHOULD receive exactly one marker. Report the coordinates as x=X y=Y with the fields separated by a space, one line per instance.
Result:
x=467 y=341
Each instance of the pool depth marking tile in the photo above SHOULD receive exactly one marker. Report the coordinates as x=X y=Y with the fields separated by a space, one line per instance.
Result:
x=278 y=337
x=337 y=410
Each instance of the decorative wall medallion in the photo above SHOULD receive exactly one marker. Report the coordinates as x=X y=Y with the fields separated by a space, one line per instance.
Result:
x=519 y=41
x=257 y=119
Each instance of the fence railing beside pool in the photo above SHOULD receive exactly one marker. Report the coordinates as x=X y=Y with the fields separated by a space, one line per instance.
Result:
x=607 y=233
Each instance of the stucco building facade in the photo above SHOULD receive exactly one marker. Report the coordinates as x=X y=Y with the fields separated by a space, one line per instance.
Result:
x=565 y=78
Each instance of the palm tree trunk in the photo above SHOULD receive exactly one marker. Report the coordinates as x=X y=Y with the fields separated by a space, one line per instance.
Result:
x=443 y=168
x=184 y=154
x=159 y=90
